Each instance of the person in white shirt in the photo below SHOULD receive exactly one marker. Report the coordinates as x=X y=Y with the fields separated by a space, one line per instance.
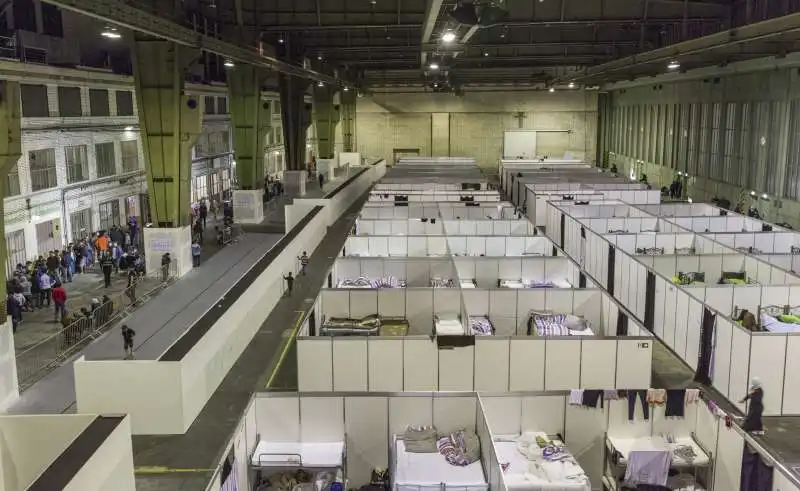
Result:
x=45 y=287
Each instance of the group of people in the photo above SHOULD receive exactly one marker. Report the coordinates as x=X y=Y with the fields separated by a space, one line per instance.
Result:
x=273 y=188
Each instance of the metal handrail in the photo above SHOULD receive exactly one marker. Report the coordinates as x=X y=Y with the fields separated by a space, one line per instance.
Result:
x=39 y=359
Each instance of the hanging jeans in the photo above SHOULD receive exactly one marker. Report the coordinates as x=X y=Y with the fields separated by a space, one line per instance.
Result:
x=590 y=398
x=675 y=402
x=756 y=475
x=632 y=404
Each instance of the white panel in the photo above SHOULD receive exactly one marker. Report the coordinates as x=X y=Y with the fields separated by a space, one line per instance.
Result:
x=527 y=364
x=321 y=419
x=419 y=310
x=335 y=303
x=562 y=364
x=392 y=302
x=510 y=268
x=385 y=364
x=791 y=397
x=695 y=320
x=456 y=368
x=278 y=419
x=585 y=437
x=634 y=363
x=408 y=411
x=728 y=465
x=453 y=413
x=543 y=413
x=492 y=359
x=315 y=364
x=363 y=303
x=350 y=364
x=767 y=360
x=720 y=375
x=503 y=414
x=371 y=267
x=598 y=363
x=559 y=300
x=367 y=429
x=486 y=272
x=681 y=321
x=420 y=365
x=502 y=302
x=740 y=365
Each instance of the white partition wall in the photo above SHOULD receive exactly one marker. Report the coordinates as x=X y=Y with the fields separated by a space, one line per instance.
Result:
x=500 y=246
x=411 y=226
x=486 y=272
x=412 y=271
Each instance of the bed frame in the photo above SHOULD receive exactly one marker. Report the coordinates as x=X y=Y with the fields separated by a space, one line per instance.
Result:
x=771 y=310
x=685 y=251
x=275 y=466
x=614 y=471
x=442 y=486
x=650 y=251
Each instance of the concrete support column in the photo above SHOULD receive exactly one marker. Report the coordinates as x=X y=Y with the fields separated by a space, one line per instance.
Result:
x=347 y=100
x=326 y=117
x=250 y=123
x=295 y=117
x=170 y=122
x=440 y=134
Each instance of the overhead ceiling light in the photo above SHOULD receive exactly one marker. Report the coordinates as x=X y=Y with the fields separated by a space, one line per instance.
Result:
x=434 y=66
x=320 y=84
x=229 y=64
x=673 y=65
x=752 y=193
x=280 y=40
x=129 y=128
x=346 y=89
x=571 y=85
x=485 y=53
x=465 y=13
x=552 y=89
x=319 y=57
x=449 y=37
x=111 y=33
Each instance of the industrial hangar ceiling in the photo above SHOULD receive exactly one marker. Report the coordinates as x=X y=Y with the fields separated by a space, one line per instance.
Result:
x=446 y=44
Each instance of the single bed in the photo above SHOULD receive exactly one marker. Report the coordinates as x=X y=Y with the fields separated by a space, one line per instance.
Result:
x=437 y=282
x=371 y=325
x=693 y=278
x=538 y=474
x=416 y=471
x=546 y=324
x=481 y=325
x=679 y=449
x=523 y=283
x=367 y=282
x=685 y=251
x=448 y=325
x=650 y=251
x=773 y=318
x=468 y=284
x=299 y=454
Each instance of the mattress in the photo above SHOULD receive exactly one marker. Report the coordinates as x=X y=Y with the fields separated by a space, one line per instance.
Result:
x=555 y=325
x=772 y=324
x=292 y=454
x=449 y=327
x=413 y=470
x=467 y=284
x=626 y=445
x=517 y=475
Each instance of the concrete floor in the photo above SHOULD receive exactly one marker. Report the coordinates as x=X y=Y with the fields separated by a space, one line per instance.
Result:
x=183 y=460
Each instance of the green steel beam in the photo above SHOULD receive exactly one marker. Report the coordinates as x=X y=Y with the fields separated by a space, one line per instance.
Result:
x=10 y=151
x=326 y=117
x=348 y=116
x=251 y=121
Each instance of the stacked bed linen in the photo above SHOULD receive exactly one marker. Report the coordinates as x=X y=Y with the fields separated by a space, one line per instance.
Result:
x=523 y=283
x=448 y=325
x=534 y=461
x=552 y=324
x=367 y=282
x=481 y=325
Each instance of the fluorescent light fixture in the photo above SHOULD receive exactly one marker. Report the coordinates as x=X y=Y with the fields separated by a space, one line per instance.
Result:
x=552 y=89
x=434 y=66
x=673 y=65
x=346 y=89
x=280 y=40
x=571 y=85
x=111 y=33
x=129 y=128
x=229 y=64
x=276 y=152
x=449 y=37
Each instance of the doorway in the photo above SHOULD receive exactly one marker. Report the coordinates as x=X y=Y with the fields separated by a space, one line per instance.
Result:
x=48 y=237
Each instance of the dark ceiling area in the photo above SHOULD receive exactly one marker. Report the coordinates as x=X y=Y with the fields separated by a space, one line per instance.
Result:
x=538 y=43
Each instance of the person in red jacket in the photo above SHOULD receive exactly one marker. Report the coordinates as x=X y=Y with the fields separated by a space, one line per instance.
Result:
x=60 y=301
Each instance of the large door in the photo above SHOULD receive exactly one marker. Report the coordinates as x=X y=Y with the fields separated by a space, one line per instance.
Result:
x=80 y=224
x=15 y=249
x=46 y=237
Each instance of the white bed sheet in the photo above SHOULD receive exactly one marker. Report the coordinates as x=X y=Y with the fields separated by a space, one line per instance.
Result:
x=285 y=454
x=414 y=470
x=467 y=284
x=626 y=445
x=449 y=327
x=516 y=476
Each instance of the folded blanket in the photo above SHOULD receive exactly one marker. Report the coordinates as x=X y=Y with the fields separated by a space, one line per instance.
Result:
x=461 y=448
x=420 y=439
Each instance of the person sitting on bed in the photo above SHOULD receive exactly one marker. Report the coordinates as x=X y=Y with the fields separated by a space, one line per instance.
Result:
x=748 y=320
x=753 y=422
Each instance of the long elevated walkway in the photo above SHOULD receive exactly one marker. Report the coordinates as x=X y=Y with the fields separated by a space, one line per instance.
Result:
x=158 y=323
x=185 y=462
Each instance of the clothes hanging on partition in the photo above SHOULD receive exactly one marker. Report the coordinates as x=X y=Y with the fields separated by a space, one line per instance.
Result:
x=705 y=361
x=756 y=474
x=576 y=397
x=642 y=395
x=590 y=398
x=676 y=399
x=656 y=397
x=692 y=396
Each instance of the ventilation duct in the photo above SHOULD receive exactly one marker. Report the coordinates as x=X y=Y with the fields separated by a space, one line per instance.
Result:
x=465 y=13
x=492 y=13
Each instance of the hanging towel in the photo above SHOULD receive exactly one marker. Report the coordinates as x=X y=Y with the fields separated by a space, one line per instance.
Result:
x=590 y=398
x=692 y=396
x=656 y=396
x=611 y=394
x=576 y=397
x=675 y=403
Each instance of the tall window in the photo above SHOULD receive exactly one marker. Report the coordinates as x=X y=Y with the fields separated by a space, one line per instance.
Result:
x=34 y=101
x=98 y=102
x=69 y=102
x=15 y=249
x=80 y=223
x=109 y=214
x=210 y=104
x=42 y=164
x=12 y=182
x=104 y=156
x=124 y=103
x=130 y=155
x=77 y=164
x=222 y=105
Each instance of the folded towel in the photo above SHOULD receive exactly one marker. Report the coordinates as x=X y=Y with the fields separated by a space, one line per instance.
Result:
x=420 y=439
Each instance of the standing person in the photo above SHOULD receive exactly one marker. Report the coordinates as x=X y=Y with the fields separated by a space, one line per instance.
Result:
x=130 y=291
x=197 y=229
x=195 y=254
x=101 y=243
x=753 y=422
x=45 y=285
x=127 y=340
x=14 y=310
x=203 y=212
x=303 y=263
x=289 y=283
x=166 y=260
x=132 y=226
x=68 y=263
x=60 y=301
x=107 y=265
x=321 y=179
x=116 y=255
x=52 y=264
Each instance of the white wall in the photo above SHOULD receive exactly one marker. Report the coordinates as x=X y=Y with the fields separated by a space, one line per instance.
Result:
x=110 y=468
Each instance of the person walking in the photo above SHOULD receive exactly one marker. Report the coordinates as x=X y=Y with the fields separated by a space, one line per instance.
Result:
x=127 y=338
x=303 y=262
x=45 y=285
x=166 y=260
x=289 y=283
x=60 y=301
x=107 y=265
x=203 y=212
x=753 y=422
x=195 y=254
x=321 y=179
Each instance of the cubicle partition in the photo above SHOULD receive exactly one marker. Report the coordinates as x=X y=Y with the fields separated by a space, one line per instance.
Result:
x=500 y=246
x=164 y=396
x=408 y=272
x=677 y=314
x=396 y=246
x=666 y=243
x=488 y=272
x=406 y=195
x=410 y=226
